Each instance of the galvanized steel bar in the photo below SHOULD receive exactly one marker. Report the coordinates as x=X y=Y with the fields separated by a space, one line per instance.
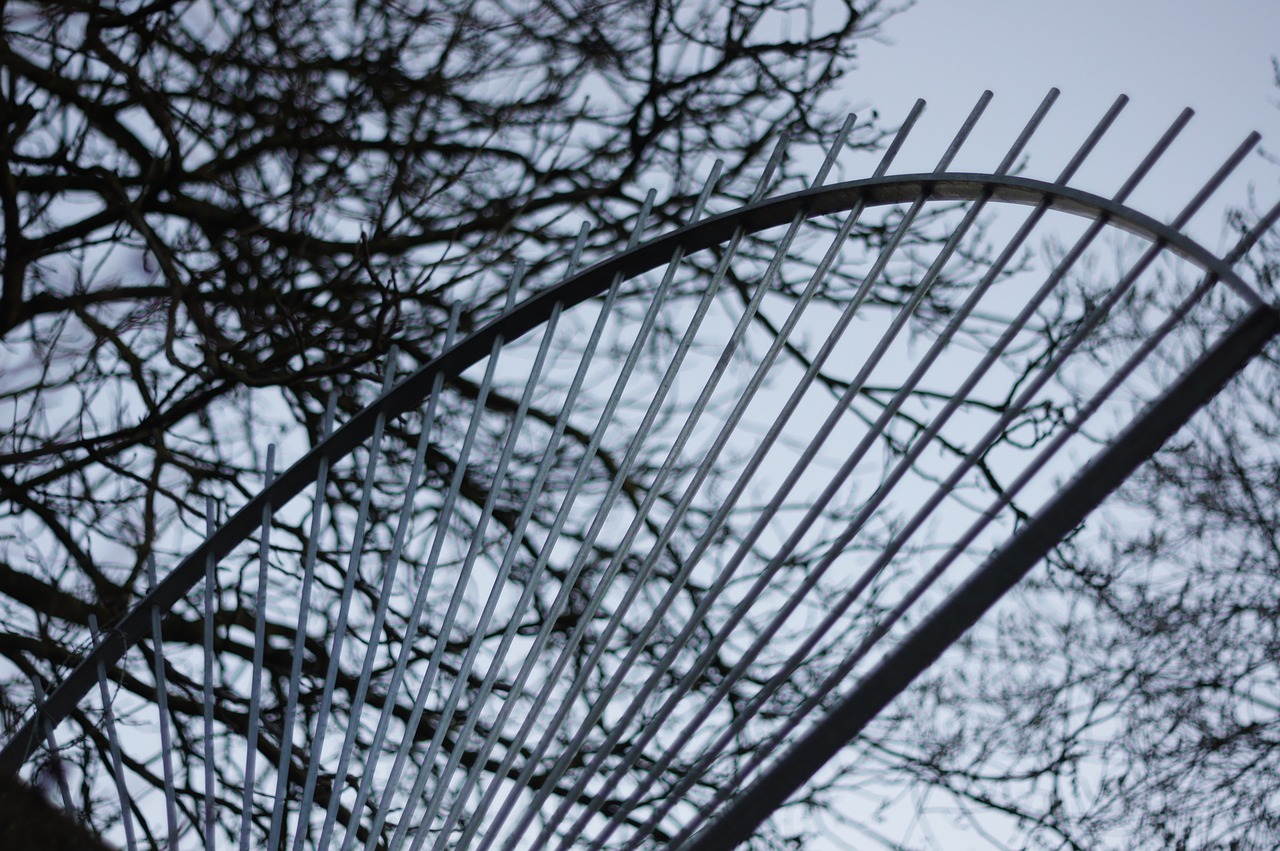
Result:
x=259 y=647
x=210 y=592
x=535 y=491
x=641 y=518
x=113 y=742
x=279 y=813
x=620 y=674
x=763 y=582
x=597 y=435
x=420 y=599
x=443 y=518
x=1025 y=396
x=162 y=710
x=51 y=741
x=767 y=785
x=1149 y=344
x=344 y=607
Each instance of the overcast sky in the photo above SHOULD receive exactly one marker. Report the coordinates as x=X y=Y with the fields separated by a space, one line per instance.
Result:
x=1164 y=54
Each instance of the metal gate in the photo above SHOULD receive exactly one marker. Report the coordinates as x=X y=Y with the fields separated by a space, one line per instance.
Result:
x=668 y=534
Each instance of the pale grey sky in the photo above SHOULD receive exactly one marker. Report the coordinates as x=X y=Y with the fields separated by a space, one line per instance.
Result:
x=1164 y=54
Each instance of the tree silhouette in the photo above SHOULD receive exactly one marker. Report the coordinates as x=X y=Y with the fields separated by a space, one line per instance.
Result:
x=1127 y=696
x=217 y=214
x=220 y=216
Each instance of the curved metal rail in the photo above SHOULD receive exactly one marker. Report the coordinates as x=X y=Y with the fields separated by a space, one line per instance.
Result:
x=530 y=314
x=796 y=764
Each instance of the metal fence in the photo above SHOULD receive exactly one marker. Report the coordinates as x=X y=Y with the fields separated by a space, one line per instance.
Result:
x=629 y=564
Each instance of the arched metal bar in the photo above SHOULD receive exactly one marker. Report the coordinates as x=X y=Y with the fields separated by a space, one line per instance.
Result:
x=409 y=393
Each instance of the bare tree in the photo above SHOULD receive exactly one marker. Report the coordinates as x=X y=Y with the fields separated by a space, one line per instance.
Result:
x=1127 y=695
x=218 y=213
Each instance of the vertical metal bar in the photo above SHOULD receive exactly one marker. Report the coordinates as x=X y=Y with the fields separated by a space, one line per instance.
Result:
x=1024 y=398
x=389 y=573
x=1153 y=156
x=420 y=599
x=899 y=138
x=210 y=591
x=117 y=764
x=775 y=429
x=1001 y=501
x=686 y=683
x=443 y=519
x=52 y=743
x=1091 y=141
x=446 y=719
x=1250 y=239
x=944 y=162
x=513 y=547
x=1213 y=183
x=375 y=748
x=259 y=649
x=285 y=763
x=397 y=676
x=838 y=607
x=569 y=695
x=569 y=754
x=950 y=153
x=455 y=600
x=415 y=794
x=599 y=519
x=846 y=666
x=892 y=149
x=562 y=514
x=162 y=707
x=344 y=607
